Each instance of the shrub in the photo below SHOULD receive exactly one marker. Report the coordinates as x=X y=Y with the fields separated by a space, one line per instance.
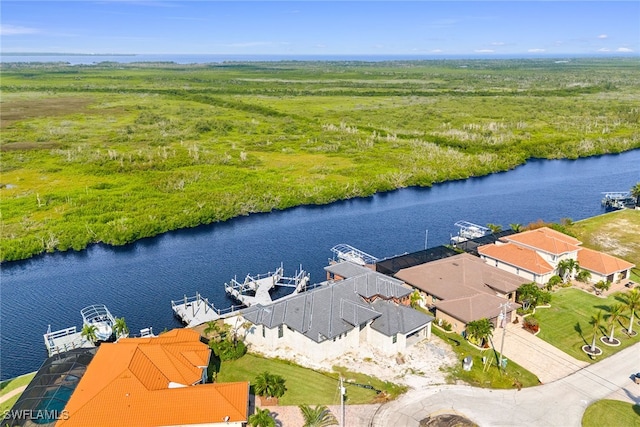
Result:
x=531 y=324
x=444 y=325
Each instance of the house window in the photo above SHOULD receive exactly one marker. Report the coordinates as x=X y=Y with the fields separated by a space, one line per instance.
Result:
x=394 y=338
x=263 y=332
x=280 y=331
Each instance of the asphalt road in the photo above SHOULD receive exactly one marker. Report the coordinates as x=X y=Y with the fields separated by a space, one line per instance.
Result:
x=561 y=403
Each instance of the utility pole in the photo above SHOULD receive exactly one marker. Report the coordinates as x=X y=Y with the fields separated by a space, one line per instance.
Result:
x=503 y=314
x=341 y=402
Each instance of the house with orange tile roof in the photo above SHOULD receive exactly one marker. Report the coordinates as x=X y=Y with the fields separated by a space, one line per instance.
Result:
x=604 y=266
x=536 y=254
x=155 y=381
x=463 y=288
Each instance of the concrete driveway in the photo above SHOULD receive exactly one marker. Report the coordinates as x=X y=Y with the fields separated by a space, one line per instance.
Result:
x=537 y=356
x=561 y=403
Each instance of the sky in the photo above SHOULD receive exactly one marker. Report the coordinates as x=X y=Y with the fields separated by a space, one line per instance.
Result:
x=321 y=27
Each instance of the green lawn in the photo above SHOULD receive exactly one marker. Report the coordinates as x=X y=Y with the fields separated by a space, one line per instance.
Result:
x=566 y=324
x=9 y=385
x=479 y=376
x=306 y=385
x=611 y=413
x=113 y=153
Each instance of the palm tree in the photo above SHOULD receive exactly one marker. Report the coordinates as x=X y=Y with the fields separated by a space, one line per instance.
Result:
x=320 y=416
x=120 y=327
x=262 y=418
x=566 y=267
x=90 y=332
x=595 y=321
x=516 y=227
x=212 y=326
x=635 y=192
x=479 y=330
x=495 y=228
x=631 y=303
x=269 y=385
x=583 y=276
x=415 y=299
x=615 y=313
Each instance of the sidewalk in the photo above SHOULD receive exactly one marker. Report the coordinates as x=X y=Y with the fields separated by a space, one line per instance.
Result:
x=536 y=355
x=12 y=393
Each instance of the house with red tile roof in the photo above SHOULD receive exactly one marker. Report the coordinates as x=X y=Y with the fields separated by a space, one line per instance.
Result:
x=536 y=254
x=463 y=288
x=155 y=381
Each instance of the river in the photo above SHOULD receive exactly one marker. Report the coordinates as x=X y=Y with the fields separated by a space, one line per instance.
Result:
x=138 y=281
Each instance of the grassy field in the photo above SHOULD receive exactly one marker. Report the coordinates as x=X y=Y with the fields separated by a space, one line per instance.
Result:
x=9 y=385
x=113 y=153
x=514 y=376
x=566 y=323
x=616 y=233
x=306 y=385
x=611 y=413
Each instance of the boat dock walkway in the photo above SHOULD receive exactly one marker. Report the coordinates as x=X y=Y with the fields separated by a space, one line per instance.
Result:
x=255 y=289
x=196 y=310
x=64 y=340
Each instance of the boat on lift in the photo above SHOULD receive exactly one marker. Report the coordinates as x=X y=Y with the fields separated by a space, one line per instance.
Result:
x=98 y=315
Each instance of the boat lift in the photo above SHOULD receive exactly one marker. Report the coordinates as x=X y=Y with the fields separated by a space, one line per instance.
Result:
x=255 y=289
x=618 y=200
x=346 y=252
x=467 y=231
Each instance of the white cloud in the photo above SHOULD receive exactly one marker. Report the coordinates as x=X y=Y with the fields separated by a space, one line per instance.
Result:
x=13 y=30
x=484 y=51
x=603 y=36
x=604 y=49
x=435 y=51
x=536 y=50
x=498 y=44
x=624 y=49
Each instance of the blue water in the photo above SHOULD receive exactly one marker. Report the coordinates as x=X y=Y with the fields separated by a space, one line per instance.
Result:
x=138 y=281
x=219 y=58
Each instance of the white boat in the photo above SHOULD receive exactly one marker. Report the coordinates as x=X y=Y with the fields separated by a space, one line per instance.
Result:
x=99 y=316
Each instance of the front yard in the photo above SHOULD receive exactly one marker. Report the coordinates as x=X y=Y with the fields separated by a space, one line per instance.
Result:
x=306 y=385
x=566 y=323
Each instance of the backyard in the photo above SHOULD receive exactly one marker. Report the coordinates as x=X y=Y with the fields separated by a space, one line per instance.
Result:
x=616 y=233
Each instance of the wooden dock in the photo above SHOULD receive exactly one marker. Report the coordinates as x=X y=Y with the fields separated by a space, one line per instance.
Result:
x=195 y=310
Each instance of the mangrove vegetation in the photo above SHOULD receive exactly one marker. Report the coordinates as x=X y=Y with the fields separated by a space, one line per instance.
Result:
x=116 y=152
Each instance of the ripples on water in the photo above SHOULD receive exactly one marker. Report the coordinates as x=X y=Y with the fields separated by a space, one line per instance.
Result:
x=138 y=281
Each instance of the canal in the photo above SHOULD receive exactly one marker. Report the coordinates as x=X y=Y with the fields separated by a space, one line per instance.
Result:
x=138 y=281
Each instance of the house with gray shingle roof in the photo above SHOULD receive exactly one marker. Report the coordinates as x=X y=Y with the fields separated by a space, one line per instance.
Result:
x=339 y=316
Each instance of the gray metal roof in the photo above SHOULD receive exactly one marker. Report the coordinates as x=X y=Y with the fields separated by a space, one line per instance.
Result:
x=347 y=269
x=398 y=318
x=331 y=310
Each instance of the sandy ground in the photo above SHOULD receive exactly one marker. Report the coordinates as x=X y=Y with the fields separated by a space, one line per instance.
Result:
x=419 y=365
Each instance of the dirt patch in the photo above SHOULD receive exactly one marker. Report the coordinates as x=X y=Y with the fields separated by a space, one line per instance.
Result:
x=15 y=110
x=13 y=146
x=447 y=420
x=418 y=366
